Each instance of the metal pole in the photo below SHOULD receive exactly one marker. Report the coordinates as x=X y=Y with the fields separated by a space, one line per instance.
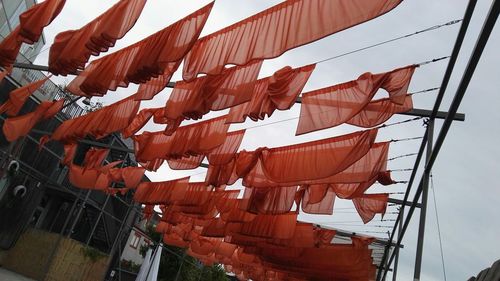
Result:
x=75 y=221
x=449 y=69
x=423 y=208
x=400 y=230
x=481 y=42
x=180 y=267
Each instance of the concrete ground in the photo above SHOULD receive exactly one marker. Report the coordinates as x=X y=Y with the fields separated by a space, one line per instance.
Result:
x=6 y=275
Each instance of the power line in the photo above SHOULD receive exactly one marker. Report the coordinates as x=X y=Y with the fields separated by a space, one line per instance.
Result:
x=391 y=40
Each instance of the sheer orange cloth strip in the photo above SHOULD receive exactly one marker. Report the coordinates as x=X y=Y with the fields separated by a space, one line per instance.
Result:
x=139 y=121
x=9 y=48
x=100 y=123
x=72 y=49
x=191 y=140
x=165 y=192
x=94 y=157
x=282 y=27
x=188 y=163
x=192 y=100
x=370 y=204
x=29 y=30
x=378 y=111
x=304 y=162
x=36 y=18
x=19 y=96
x=275 y=92
x=16 y=127
x=335 y=105
x=158 y=54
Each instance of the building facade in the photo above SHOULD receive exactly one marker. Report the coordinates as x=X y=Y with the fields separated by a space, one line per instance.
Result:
x=49 y=229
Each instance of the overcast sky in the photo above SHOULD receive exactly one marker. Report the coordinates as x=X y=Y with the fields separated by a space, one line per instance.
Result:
x=465 y=174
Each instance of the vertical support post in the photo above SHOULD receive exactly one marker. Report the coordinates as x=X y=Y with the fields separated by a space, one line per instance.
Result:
x=400 y=230
x=423 y=209
x=180 y=267
x=80 y=209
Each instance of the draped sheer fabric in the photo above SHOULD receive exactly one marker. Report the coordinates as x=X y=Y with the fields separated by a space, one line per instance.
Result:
x=158 y=54
x=271 y=201
x=139 y=121
x=188 y=163
x=19 y=96
x=130 y=176
x=69 y=153
x=335 y=105
x=282 y=27
x=165 y=192
x=100 y=123
x=278 y=91
x=317 y=199
x=190 y=140
x=308 y=161
x=94 y=157
x=36 y=18
x=16 y=127
x=378 y=111
x=29 y=30
x=192 y=100
x=72 y=49
x=370 y=204
x=96 y=178
x=9 y=48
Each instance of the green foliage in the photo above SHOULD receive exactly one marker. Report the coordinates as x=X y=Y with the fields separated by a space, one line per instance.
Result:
x=92 y=254
x=171 y=259
x=130 y=266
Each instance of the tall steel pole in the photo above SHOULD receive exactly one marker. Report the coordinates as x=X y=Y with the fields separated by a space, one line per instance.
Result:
x=423 y=208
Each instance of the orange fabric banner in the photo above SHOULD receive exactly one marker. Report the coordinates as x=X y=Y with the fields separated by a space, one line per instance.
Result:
x=192 y=100
x=36 y=18
x=302 y=163
x=72 y=49
x=158 y=54
x=99 y=123
x=19 y=96
x=191 y=140
x=270 y=33
x=335 y=105
x=16 y=127
x=275 y=92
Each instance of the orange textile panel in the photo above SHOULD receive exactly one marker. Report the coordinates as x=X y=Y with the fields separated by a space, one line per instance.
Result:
x=270 y=33
x=72 y=49
x=197 y=193
x=100 y=123
x=165 y=192
x=275 y=92
x=370 y=204
x=138 y=122
x=335 y=105
x=190 y=140
x=222 y=160
x=227 y=151
x=36 y=18
x=271 y=226
x=92 y=178
x=94 y=157
x=158 y=54
x=16 y=127
x=370 y=166
x=268 y=200
x=69 y=153
x=9 y=48
x=296 y=164
x=130 y=176
x=378 y=111
x=192 y=100
x=19 y=96
x=189 y=163
x=317 y=199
